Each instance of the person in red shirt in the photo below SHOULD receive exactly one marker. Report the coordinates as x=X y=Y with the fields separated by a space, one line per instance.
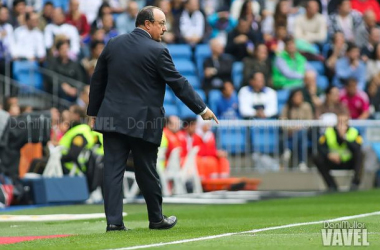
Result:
x=355 y=100
x=173 y=124
x=364 y=5
x=78 y=19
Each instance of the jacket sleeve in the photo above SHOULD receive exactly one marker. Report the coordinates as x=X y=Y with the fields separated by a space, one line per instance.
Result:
x=98 y=83
x=181 y=87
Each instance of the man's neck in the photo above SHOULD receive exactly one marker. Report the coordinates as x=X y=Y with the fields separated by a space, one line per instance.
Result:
x=145 y=31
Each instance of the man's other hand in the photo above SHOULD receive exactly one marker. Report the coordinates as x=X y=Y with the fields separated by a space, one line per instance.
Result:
x=92 y=122
x=209 y=115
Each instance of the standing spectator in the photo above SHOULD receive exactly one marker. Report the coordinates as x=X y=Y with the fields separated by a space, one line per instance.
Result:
x=241 y=41
x=108 y=27
x=310 y=90
x=227 y=107
x=90 y=8
x=90 y=63
x=221 y=23
x=64 y=66
x=355 y=100
x=77 y=19
x=373 y=39
x=169 y=36
x=332 y=103
x=257 y=100
x=373 y=65
x=345 y=21
x=18 y=12
x=172 y=126
x=46 y=16
x=29 y=40
x=276 y=43
x=104 y=9
x=337 y=50
x=125 y=23
x=350 y=66
x=59 y=27
x=364 y=5
x=192 y=23
x=6 y=39
x=259 y=63
x=217 y=68
x=289 y=67
x=311 y=26
x=362 y=33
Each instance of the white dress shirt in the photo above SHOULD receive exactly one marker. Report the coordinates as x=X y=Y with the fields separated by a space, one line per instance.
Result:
x=248 y=99
x=28 y=43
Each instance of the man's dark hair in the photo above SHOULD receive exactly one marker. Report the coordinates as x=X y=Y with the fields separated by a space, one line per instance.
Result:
x=351 y=80
x=224 y=85
x=60 y=43
x=288 y=39
x=96 y=43
x=351 y=46
x=188 y=121
x=16 y=2
x=329 y=89
x=145 y=14
x=48 y=3
x=28 y=15
x=340 y=2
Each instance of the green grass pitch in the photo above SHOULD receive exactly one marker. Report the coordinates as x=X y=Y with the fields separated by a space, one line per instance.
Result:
x=205 y=220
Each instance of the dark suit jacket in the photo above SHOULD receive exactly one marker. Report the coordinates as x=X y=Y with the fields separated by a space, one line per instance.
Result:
x=224 y=67
x=128 y=87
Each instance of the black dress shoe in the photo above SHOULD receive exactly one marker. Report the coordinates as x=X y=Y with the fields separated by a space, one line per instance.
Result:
x=166 y=223
x=111 y=228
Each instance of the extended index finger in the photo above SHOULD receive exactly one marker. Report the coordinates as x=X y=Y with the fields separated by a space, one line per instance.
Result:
x=215 y=119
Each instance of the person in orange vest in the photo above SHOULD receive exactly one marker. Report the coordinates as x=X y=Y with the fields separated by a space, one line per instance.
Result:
x=211 y=157
x=172 y=126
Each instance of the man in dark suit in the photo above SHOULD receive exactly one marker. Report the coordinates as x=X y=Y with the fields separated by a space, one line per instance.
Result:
x=126 y=105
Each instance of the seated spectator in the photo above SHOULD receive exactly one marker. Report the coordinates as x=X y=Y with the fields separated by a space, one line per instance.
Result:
x=310 y=90
x=46 y=16
x=346 y=21
x=104 y=9
x=125 y=23
x=221 y=23
x=362 y=33
x=248 y=14
x=284 y=15
x=241 y=41
x=211 y=162
x=172 y=126
x=276 y=43
x=373 y=40
x=289 y=67
x=58 y=27
x=311 y=26
x=83 y=98
x=192 y=23
x=297 y=109
x=29 y=40
x=64 y=66
x=17 y=15
x=169 y=36
x=340 y=148
x=227 y=107
x=332 y=103
x=373 y=92
x=76 y=18
x=6 y=41
x=355 y=100
x=363 y=5
x=350 y=66
x=259 y=63
x=217 y=68
x=257 y=100
x=373 y=64
x=90 y=63
x=108 y=27
x=337 y=50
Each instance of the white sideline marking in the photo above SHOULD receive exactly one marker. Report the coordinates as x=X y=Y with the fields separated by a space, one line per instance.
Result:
x=246 y=232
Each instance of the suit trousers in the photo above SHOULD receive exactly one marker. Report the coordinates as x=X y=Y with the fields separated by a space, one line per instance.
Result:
x=116 y=150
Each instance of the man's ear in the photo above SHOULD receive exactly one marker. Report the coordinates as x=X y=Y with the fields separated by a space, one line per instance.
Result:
x=147 y=24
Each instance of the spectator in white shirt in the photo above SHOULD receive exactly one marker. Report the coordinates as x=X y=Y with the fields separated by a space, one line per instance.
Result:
x=257 y=100
x=192 y=23
x=6 y=37
x=90 y=8
x=58 y=27
x=28 y=40
x=311 y=26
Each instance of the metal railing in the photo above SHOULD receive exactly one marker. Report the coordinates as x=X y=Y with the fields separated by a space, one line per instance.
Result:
x=279 y=144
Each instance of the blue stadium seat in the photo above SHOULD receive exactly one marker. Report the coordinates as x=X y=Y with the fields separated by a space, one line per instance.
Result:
x=194 y=81
x=27 y=73
x=185 y=67
x=170 y=109
x=237 y=74
x=232 y=140
x=322 y=82
x=318 y=66
x=180 y=51
x=265 y=140
x=202 y=51
x=213 y=98
x=282 y=98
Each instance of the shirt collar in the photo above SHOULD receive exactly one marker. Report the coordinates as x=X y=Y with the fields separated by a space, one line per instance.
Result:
x=263 y=90
x=144 y=31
